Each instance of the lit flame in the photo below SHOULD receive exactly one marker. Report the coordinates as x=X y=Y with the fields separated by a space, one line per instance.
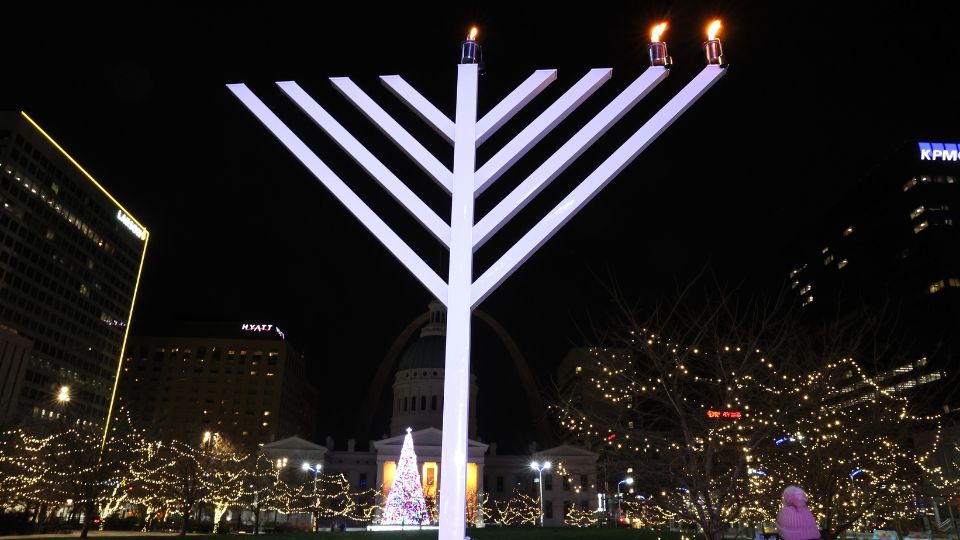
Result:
x=713 y=29
x=657 y=32
x=473 y=34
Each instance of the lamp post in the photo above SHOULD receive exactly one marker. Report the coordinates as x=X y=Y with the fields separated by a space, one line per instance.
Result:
x=463 y=235
x=540 y=468
x=628 y=481
x=316 y=471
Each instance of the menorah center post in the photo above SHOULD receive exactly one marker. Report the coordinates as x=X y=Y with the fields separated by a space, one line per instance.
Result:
x=456 y=384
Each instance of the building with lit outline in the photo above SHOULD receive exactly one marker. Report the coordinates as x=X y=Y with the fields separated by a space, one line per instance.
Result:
x=70 y=262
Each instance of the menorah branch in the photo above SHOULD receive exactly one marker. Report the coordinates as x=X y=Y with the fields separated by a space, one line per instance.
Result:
x=420 y=105
x=565 y=155
x=394 y=186
x=513 y=103
x=540 y=127
x=583 y=193
x=400 y=136
x=356 y=206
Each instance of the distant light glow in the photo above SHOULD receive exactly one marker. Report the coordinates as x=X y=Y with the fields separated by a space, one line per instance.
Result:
x=64 y=394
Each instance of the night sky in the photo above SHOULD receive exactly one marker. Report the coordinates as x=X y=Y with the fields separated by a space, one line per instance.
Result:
x=240 y=231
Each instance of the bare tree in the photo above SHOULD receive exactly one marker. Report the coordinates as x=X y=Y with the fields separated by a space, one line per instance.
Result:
x=686 y=395
x=718 y=406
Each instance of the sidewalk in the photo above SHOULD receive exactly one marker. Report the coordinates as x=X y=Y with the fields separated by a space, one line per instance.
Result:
x=100 y=534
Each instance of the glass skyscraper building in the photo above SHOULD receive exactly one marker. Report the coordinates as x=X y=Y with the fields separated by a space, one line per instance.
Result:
x=70 y=263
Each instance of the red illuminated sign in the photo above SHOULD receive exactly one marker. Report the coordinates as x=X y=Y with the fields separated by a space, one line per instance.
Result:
x=723 y=414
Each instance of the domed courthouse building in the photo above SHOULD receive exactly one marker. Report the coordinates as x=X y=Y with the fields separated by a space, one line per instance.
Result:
x=417 y=403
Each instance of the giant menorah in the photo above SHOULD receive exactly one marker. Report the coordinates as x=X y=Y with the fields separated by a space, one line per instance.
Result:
x=462 y=236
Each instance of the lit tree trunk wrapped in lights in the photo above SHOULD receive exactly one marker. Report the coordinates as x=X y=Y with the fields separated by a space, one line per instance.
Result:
x=405 y=504
x=520 y=509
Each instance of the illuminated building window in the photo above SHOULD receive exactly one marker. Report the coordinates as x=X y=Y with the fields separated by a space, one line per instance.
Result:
x=848 y=231
x=795 y=284
x=951 y=180
x=843 y=263
x=919 y=210
x=936 y=287
x=948 y=221
x=806 y=288
x=825 y=250
x=920 y=226
x=827 y=260
x=954 y=282
x=266 y=413
x=807 y=301
x=910 y=183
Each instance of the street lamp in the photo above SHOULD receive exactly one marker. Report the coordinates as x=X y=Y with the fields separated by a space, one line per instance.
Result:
x=209 y=440
x=540 y=468
x=628 y=481
x=316 y=470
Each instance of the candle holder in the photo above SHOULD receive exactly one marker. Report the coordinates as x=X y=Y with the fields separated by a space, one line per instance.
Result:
x=657 y=48
x=714 y=52
x=471 y=52
x=658 y=54
x=712 y=47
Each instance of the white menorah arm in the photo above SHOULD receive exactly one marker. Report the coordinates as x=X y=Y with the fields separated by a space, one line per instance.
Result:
x=401 y=137
x=420 y=105
x=511 y=105
x=539 y=128
x=565 y=155
x=356 y=206
x=597 y=180
x=374 y=167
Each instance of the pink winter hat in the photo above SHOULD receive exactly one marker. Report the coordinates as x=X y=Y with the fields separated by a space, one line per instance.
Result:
x=795 y=521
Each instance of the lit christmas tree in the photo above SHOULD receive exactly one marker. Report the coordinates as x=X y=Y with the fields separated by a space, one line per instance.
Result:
x=405 y=503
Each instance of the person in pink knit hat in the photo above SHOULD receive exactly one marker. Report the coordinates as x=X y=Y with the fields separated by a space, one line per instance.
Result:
x=795 y=522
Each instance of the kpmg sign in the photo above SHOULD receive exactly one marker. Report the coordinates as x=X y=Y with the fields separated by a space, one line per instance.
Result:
x=938 y=152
